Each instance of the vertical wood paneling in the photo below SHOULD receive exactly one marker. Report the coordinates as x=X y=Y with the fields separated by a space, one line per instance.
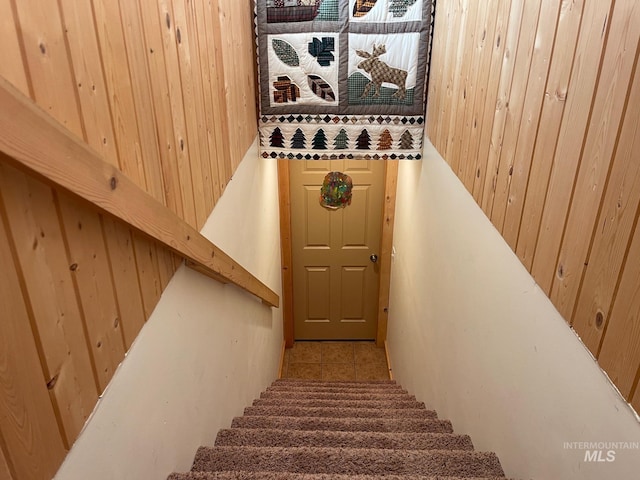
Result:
x=90 y=268
x=236 y=31
x=40 y=249
x=443 y=29
x=215 y=97
x=148 y=272
x=136 y=79
x=500 y=108
x=490 y=93
x=120 y=99
x=463 y=81
x=159 y=88
x=584 y=78
x=635 y=403
x=5 y=472
x=150 y=87
x=11 y=64
x=485 y=31
x=125 y=280
x=89 y=80
x=172 y=74
x=613 y=230
x=620 y=354
x=602 y=135
x=27 y=420
x=553 y=108
x=514 y=109
x=536 y=84
x=191 y=96
x=192 y=92
x=213 y=116
x=553 y=162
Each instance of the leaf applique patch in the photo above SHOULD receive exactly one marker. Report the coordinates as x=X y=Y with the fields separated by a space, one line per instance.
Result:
x=285 y=90
x=285 y=52
x=399 y=7
x=362 y=7
x=321 y=88
x=321 y=50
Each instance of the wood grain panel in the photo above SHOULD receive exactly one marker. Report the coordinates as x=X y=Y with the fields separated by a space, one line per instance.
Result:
x=11 y=64
x=602 y=135
x=613 y=230
x=125 y=279
x=484 y=35
x=133 y=45
x=438 y=72
x=217 y=75
x=583 y=83
x=514 y=109
x=212 y=73
x=28 y=424
x=635 y=402
x=480 y=168
x=151 y=99
x=237 y=33
x=47 y=61
x=182 y=145
x=620 y=353
x=500 y=108
x=90 y=85
x=463 y=83
x=553 y=109
x=525 y=144
x=40 y=250
x=148 y=272
x=555 y=165
x=5 y=472
x=161 y=106
x=112 y=51
x=193 y=96
x=89 y=264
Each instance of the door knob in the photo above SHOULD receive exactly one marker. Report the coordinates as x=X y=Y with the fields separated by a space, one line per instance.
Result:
x=373 y=258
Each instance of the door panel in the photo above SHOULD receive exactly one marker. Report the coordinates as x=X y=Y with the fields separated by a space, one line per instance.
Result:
x=335 y=285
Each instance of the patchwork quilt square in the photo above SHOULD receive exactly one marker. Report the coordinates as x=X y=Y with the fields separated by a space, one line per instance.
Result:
x=343 y=78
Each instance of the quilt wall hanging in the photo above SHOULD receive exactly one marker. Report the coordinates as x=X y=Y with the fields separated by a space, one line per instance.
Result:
x=343 y=78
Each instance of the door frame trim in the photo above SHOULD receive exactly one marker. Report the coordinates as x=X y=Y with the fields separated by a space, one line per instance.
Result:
x=386 y=246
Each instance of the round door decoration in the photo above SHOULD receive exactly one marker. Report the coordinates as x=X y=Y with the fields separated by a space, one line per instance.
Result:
x=336 y=190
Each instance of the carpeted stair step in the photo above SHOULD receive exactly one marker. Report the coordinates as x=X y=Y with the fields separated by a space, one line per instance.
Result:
x=348 y=461
x=408 y=425
x=332 y=412
x=319 y=402
x=379 y=440
x=335 y=389
x=235 y=475
x=336 y=396
x=382 y=384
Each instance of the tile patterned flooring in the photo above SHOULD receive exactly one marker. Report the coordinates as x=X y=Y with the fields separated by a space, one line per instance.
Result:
x=335 y=361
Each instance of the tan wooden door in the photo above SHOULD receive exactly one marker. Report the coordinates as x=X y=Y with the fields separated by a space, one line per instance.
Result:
x=335 y=282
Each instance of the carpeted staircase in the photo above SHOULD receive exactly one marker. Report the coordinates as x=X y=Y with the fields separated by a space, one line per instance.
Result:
x=312 y=430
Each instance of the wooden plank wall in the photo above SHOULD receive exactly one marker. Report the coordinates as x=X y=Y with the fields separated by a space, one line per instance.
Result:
x=147 y=84
x=536 y=107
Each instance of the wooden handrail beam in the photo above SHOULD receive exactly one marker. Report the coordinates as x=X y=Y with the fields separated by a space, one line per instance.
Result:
x=35 y=142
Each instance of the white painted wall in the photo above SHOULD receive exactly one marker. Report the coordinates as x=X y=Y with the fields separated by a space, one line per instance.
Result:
x=472 y=335
x=206 y=352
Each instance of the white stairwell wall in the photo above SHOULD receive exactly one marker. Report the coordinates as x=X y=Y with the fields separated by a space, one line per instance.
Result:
x=473 y=336
x=206 y=352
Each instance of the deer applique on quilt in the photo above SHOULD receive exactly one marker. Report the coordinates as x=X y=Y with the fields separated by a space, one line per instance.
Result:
x=381 y=73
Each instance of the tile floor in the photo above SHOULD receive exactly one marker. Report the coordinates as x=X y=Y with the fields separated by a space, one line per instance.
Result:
x=335 y=361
